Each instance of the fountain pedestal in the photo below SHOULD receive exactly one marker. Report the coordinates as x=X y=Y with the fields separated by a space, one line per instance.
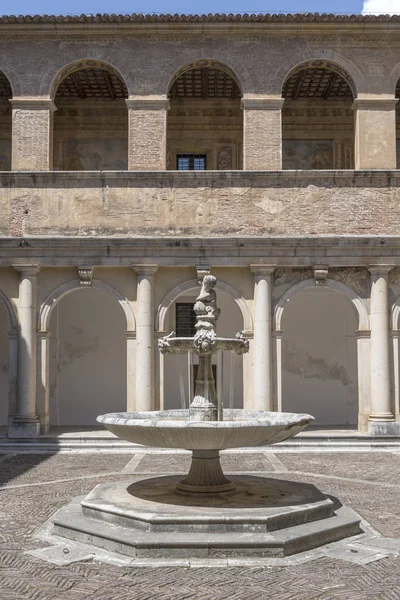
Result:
x=205 y=477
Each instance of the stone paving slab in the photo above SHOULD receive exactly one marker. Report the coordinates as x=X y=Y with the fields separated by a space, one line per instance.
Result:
x=373 y=493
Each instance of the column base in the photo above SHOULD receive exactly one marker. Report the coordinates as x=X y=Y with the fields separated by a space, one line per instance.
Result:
x=20 y=427
x=381 y=427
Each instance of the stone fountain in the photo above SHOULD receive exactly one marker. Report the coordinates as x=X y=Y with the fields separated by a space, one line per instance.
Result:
x=205 y=514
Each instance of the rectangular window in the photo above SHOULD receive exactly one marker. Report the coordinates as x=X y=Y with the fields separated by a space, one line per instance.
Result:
x=191 y=162
x=185 y=319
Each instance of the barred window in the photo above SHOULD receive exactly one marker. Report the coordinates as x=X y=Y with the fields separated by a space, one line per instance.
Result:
x=185 y=319
x=191 y=162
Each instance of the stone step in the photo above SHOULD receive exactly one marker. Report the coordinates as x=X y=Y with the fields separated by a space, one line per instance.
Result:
x=71 y=523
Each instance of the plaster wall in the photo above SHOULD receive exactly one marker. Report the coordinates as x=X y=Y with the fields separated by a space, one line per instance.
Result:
x=200 y=204
x=320 y=357
x=88 y=370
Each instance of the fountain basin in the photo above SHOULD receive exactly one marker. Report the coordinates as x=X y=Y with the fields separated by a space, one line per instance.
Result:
x=172 y=428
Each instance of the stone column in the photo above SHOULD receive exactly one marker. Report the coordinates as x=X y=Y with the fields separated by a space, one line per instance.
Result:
x=43 y=380
x=130 y=370
x=381 y=416
x=26 y=423
x=147 y=143
x=375 y=133
x=262 y=345
x=277 y=334
x=364 y=383
x=145 y=337
x=262 y=133
x=32 y=135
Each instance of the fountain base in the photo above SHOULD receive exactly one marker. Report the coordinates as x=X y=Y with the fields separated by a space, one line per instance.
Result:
x=205 y=477
x=263 y=518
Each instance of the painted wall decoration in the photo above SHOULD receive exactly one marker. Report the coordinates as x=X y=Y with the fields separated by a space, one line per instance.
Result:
x=307 y=154
x=90 y=154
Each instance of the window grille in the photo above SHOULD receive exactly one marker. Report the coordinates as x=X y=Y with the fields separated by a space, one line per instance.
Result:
x=185 y=319
x=191 y=162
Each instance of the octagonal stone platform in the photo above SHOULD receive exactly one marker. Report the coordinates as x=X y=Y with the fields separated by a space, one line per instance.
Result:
x=147 y=519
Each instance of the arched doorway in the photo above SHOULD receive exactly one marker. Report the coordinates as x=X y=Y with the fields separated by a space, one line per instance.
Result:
x=319 y=357
x=5 y=123
x=91 y=121
x=317 y=117
x=179 y=371
x=205 y=121
x=87 y=367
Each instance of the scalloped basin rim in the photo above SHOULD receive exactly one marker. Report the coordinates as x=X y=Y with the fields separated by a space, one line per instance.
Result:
x=172 y=429
x=180 y=419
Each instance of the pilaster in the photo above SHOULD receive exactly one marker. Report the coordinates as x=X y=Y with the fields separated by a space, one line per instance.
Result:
x=147 y=118
x=32 y=134
x=262 y=133
x=375 y=133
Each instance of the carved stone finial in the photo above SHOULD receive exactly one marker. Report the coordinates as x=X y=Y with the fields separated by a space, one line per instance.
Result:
x=320 y=274
x=85 y=275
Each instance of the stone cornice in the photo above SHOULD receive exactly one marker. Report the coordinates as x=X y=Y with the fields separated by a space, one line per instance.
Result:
x=147 y=104
x=215 y=24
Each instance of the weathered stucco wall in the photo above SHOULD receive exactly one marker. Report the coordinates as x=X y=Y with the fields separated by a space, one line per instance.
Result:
x=200 y=204
x=320 y=357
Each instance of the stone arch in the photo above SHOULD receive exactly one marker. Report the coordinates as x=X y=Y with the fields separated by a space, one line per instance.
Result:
x=12 y=352
x=70 y=286
x=395 y=315
x=86 y=63
x=193 y=283
x=11 y=314
x=358 y=305
x=327 y=60
x=204 y=63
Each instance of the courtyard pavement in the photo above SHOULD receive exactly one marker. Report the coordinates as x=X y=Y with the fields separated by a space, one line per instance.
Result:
x=34 y=486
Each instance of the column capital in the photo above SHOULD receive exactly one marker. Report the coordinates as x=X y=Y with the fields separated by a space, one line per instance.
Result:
x=380 y=269
x=374 y=103
x=28 y=269
x=262 y=270
x=148 y=103
x=33 y=104
x=262 y=103
x=143 y=270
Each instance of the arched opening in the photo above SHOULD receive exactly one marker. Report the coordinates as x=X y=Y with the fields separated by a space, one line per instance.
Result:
x=319 y=357
x=5 y=123
x=317 y=117
x=179 y=371
x=205 y=121
x=87 y=367
x=91 y=121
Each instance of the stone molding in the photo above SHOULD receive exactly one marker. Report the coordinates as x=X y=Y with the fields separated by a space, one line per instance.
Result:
x=33 y=104
x=380 y=269
x=262 y=103
x=374 y=103
x=262 y=270
x=145 y=270
x=31 y=270
x=147 y=104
